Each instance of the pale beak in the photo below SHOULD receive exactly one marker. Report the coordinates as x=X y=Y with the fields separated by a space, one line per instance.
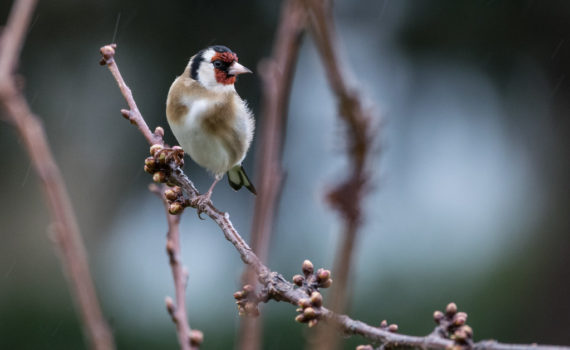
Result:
x=237 y=68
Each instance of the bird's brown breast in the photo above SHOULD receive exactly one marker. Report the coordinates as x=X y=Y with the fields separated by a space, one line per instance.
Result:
x=218 y=121
x=176 y=109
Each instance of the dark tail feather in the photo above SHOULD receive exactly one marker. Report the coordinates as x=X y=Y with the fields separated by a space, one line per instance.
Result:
x=238 y=179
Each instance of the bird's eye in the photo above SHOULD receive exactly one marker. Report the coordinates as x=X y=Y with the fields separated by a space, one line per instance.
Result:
x=218 y=64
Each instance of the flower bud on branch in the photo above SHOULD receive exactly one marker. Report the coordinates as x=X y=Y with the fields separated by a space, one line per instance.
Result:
x=452 y=325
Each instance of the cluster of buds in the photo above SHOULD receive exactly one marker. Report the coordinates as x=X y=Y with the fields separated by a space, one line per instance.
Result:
x=159 y=164
x=176 y=200
x=309 y=309
x=452 y=325
x=312 y=281
x=248 y=299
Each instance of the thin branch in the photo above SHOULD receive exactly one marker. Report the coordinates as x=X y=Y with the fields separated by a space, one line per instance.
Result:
x=279 y=289
x=277 y=77
x=347 y=196
x=484 y=345
x=188 y=338
x=133 y=114
x=68 y=238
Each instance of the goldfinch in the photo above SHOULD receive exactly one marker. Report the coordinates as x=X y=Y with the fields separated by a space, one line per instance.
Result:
x=209 y=119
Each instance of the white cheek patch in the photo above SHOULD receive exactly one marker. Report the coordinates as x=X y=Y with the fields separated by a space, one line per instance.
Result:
x=206 y=74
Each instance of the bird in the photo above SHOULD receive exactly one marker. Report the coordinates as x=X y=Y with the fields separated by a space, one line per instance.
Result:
x=210 y=121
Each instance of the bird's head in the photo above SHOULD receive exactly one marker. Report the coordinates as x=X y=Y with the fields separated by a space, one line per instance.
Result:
x=216 y=67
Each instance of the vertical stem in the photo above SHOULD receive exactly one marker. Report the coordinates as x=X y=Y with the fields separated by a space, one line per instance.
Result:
x=177 y=311
x=342 y=267
x=345 y=197
x=277 y=78
x=68 y=238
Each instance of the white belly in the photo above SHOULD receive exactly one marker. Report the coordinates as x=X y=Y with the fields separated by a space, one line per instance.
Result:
x=205 y=149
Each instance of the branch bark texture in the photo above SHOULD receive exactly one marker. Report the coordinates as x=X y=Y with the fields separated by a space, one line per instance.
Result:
x=278 y=288
x=30 y=129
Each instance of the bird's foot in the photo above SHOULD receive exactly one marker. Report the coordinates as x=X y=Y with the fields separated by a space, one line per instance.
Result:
x=201 y=202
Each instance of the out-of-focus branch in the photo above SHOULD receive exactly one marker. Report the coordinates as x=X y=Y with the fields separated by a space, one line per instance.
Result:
x=276 y=287
x=29 y=127
x=12 y=39
x=347 y=196
x=277 y=77
x=189 y=339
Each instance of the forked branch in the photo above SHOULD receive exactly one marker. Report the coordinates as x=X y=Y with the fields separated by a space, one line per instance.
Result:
x=189 y=339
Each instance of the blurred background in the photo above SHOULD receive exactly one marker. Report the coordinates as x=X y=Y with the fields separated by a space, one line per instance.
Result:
x=471 y=198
